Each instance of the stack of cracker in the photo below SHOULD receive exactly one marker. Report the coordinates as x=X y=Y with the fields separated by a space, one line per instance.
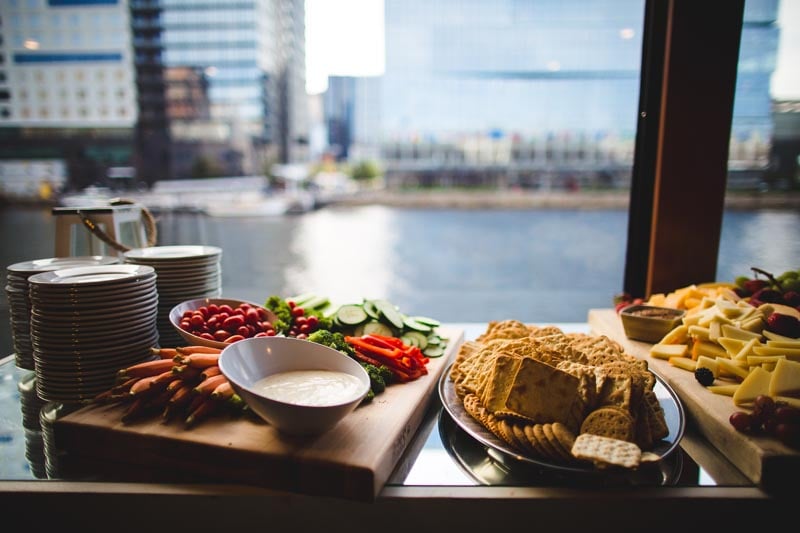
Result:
x=538 y=389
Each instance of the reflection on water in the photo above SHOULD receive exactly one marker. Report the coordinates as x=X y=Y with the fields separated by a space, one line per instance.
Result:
x=458 y=266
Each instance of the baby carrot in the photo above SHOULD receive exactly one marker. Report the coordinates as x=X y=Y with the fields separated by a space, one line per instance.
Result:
x=201 y=412
x=189 y=350
x=145 y=369
x=223 y=391
x=157 y=382
x=206 y=387
x=198 y=360
x=164 y=353
x=135 y=408
x=210 y=371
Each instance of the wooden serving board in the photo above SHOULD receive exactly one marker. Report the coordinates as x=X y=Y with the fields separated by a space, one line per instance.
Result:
x=765 y=461
x=351 y=461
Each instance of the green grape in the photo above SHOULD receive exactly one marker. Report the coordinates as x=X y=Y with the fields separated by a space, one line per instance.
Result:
x=741 y=280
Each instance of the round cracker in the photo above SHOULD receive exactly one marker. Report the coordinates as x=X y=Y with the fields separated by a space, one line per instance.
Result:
x=519 y=433
x=549 y=451
x=609 y=422
x=554 y=442
x=536 y=448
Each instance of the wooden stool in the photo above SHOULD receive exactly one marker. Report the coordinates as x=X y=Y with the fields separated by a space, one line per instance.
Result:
x=121 y=223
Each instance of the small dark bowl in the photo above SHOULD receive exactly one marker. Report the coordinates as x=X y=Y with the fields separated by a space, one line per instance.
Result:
x=649 y=323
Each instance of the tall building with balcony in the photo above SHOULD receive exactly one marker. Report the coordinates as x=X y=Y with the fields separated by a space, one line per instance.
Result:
x=528 y=92
x=67 y=85
x=153 y=147
x=252 y=55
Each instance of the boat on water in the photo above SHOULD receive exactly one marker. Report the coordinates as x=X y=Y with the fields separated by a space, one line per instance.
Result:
x=218 y=197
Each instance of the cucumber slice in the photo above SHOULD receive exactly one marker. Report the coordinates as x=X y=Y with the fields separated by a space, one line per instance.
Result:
x=408 y=341
x=301 y=299
x=316 y=303
x=371 y=310
x=410 y=323
x=351 y=315
x=358 y=330
x=434 y=340
x=420 y=340
x=377 y=328
x=432 y=322
x=389 y=313
x=433 y=352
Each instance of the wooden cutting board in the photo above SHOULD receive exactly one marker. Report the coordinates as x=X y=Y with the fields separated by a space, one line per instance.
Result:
x=765 y=461
x=351 y=461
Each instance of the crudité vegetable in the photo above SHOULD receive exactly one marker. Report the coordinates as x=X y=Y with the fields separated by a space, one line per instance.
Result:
x=184 y=382
x=361 y=331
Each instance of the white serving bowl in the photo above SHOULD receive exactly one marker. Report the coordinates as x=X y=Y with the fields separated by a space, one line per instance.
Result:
x=247 y=361
x=176 y=313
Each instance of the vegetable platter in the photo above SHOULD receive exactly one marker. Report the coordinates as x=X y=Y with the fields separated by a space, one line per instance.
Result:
x=351 y=461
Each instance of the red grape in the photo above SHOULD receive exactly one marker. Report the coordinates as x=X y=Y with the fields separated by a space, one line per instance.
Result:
x=741 y=421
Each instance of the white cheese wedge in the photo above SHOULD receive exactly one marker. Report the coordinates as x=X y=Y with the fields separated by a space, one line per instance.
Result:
x=785 y=379
x=731 y=345
x=756 y=383
x=746 y=350
x=677 y=335
x=665 y=351
x=739 y=333
x=725 y=390
x=704 y=361
x=710 y=349
x=790 y=353
x=684 y=363
x=733 y=368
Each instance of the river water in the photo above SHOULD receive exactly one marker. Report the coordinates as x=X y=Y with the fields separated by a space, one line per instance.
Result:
x=545 y=265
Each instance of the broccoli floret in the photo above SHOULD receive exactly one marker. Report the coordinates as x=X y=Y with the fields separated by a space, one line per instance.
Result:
x=377 y=377
x=322 y=336
x=278 y=305
x=378 y=385
x=332 y=340
x=369 y=397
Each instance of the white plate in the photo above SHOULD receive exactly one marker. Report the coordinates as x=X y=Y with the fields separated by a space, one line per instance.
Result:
x=57 y=263
x=92 y=275
x=171 y=253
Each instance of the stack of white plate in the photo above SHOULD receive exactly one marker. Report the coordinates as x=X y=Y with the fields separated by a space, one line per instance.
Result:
x=87 y=323
x=19 y=304
x=184 y=273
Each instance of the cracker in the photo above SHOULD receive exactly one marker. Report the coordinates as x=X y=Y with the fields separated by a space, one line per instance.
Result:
x=564 y=453
x=501 y=377
x=542 y=392
x=536 y=448
x=522 y=438
x=564 y=435
x=609 y=422
x=547 y=447
x=603 y=451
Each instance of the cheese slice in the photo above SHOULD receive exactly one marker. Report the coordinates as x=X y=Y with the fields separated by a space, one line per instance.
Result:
x=725 y=390
x=709 y=363
x=684 y=363
x=756 y=383
x=677 y=335
x=785 y=379
x=739 y=333
x=665 y=351
x=731 y=345
x=732 y=367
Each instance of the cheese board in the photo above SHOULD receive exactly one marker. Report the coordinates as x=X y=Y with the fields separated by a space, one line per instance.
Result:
x=763 y=460
x=351 y=461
